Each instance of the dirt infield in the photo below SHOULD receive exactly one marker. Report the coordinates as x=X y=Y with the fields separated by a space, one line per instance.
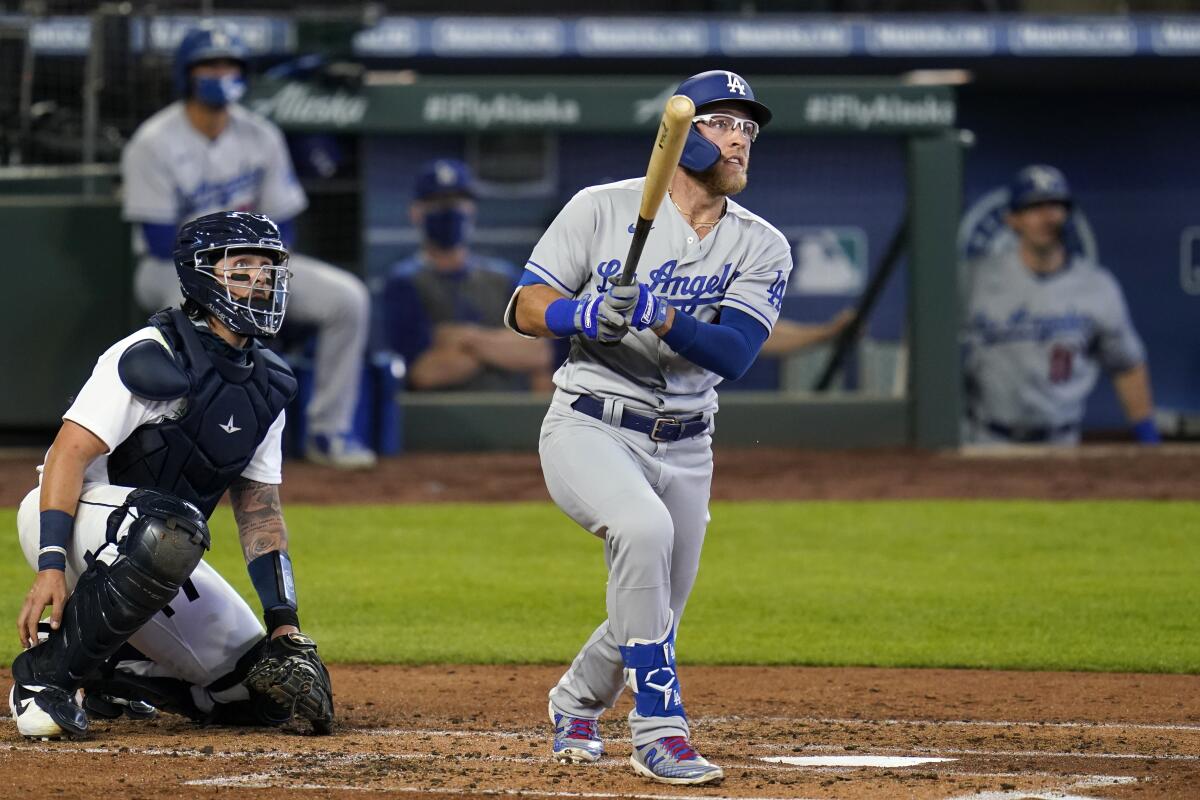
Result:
x=1094 y=472
x=779 y=732
x=445 y=730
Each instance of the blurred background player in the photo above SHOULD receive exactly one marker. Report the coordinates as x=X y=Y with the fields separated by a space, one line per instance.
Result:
x=1041 y=324
x=206 y=153
x=171 y=417
x=626 y=446
x=442 y=307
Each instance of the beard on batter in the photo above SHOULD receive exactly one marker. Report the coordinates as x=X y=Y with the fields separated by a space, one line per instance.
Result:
x=719 y=182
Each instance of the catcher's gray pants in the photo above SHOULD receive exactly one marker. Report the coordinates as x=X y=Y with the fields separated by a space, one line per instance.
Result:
x=322 y=295
x=649 y=502
x=201 y=634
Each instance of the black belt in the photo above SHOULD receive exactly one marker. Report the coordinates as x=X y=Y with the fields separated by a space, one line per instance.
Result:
x=1023 y=434
x=659 y=429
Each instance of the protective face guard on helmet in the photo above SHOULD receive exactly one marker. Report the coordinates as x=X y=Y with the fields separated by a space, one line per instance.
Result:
x=260 y=312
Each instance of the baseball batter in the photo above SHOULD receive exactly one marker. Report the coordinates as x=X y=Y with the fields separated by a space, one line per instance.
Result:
x=171 y=417
x=205 y=153
x=1042 y=324
x=626 y=444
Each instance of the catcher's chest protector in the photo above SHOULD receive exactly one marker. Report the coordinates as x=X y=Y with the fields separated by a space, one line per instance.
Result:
x=227 y=413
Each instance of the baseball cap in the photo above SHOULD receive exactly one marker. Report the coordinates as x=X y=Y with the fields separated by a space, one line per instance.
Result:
x=1038 y=183
x=445 y=176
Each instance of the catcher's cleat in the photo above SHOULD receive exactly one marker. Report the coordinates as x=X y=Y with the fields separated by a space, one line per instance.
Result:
x=46 y=712
x=672 y=760
x=576 y=740
x=107 y=706
x=292 y=677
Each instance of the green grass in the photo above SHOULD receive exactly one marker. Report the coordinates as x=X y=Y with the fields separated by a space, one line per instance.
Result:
x=1094 y=586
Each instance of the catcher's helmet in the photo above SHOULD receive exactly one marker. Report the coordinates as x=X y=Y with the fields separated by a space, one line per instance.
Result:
x=1038 y=183
x=205 y=241
x=716 y=86
x=206 y=42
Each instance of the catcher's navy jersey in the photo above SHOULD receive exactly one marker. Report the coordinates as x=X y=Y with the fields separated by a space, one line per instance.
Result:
x=743 y=263
x=1035 y=345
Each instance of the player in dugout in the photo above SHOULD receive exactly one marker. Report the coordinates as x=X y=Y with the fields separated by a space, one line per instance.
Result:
x=1042 y=323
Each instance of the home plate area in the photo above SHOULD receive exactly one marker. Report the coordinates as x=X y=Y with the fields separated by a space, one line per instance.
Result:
x=778 y=732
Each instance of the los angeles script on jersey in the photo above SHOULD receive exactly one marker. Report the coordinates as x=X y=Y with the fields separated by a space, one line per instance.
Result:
x=684 y=291
x=1024 y=326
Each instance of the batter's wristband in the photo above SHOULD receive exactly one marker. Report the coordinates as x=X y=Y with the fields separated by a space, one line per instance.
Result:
x=560 y=317
x=56 y=529
x=1146 y=431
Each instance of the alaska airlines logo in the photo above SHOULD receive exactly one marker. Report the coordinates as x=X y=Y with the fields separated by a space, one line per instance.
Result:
x=1022 y=326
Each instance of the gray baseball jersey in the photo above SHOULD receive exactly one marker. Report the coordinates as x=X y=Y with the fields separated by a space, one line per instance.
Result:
x=173 y=173
x=647 y=499
x=1035 y=345
x=743 y=263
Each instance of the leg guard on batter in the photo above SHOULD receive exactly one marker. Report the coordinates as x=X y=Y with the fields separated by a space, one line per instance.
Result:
x=650 y=673
x=164 y=544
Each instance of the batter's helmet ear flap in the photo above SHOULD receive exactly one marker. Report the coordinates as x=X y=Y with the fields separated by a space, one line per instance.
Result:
x=707 y=88
x=698 y=153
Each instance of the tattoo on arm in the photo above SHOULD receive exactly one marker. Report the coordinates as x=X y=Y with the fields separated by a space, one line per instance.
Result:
x=259 y=517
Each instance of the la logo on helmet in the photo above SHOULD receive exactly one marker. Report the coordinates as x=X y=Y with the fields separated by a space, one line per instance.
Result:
x=735 y=84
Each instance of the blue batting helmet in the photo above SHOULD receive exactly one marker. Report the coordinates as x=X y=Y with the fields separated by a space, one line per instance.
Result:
x=206 y=42
x=1038 y=183
x=716 y=86
x=202 y=243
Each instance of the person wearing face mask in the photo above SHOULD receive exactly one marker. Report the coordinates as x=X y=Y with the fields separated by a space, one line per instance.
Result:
x=206 y=153
x=441 y=306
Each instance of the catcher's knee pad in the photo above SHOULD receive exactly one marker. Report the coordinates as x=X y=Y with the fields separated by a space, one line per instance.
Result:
x=110 y=603
x=650 y=673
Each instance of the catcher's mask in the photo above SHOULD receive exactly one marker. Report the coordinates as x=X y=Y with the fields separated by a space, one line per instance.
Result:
x=234 y=265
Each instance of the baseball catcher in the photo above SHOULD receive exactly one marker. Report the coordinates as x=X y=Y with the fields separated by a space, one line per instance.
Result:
x=172 y=416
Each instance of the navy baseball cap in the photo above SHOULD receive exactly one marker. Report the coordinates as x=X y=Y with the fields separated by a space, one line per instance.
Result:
x=445 y=176
x=1038 y=183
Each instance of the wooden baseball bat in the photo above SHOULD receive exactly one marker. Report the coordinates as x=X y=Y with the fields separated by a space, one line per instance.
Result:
x=668 y=147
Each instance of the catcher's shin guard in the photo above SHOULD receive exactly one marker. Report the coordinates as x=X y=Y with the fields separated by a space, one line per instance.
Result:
x=110 y=603
x=650 y=673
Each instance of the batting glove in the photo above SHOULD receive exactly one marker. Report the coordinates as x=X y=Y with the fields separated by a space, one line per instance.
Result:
x=596 y=321
x=640 y=307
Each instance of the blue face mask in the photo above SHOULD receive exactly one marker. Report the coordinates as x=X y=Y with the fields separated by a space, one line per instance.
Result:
x=220 y=92
x=449 y=227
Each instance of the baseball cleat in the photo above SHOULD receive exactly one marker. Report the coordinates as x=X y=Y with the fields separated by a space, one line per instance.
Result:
x=109 y=706
x=672 y=760
x=340 y=451
x=576 y=740
x=45 y=712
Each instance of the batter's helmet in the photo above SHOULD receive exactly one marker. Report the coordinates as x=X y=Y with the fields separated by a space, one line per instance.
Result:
x=205 y=241
x=206 y=42
x=716 y=86
x=1038 y=183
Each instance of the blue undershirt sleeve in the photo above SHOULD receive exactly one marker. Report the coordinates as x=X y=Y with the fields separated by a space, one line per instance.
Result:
x=530 y=278
x=727 y=348
x=160 y=239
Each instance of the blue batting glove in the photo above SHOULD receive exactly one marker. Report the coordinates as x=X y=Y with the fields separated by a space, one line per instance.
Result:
x=641 y=307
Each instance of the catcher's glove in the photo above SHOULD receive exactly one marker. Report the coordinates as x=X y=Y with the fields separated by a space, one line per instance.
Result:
x=290 y=673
